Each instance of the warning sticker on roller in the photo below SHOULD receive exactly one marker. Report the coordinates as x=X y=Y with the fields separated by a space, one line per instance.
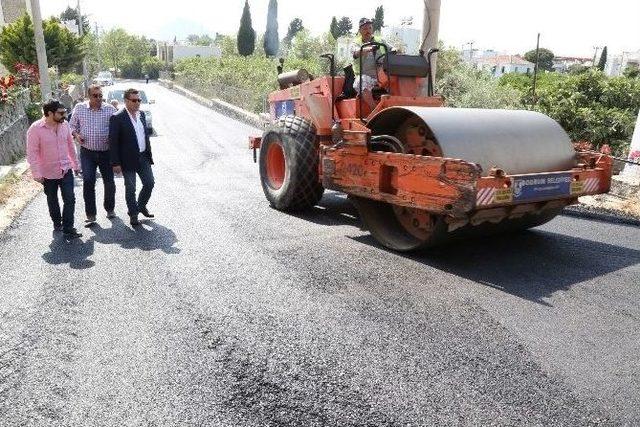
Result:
x=536 y=187
x=504 y=195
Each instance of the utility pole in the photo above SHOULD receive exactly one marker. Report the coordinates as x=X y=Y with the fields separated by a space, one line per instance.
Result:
x=471 y=51
x=430 y=28
x=33 y=7
x=85 y=73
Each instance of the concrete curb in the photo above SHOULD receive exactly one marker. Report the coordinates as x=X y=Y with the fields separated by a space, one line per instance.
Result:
x=17 y=169
x=217 y=104
x=600 y=214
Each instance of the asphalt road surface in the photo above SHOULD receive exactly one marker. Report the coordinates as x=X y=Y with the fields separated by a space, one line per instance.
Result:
x=225 y=312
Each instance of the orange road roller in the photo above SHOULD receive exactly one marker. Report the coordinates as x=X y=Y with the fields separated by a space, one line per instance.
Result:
x=420 y=174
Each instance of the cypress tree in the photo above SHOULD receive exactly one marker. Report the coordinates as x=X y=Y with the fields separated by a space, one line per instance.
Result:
x=344 y=26
x=603 y=59
x=271 y=40
x=333 y=28
x=295 y=26
x=378 y=20
x=246 y=33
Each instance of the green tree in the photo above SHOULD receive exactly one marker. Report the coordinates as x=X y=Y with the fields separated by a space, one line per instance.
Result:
x=603 y=59
x=545 y=61
x=448 y=60
x=577 y=69
x=228 y=45
x=631 y=71
x=71 y=14
x=378 y=19
x=295 y=26
x=271 y=40
x=114 y=47
x=344 y=26
x=64 y=49
x=304 y=46
x=246 y=33
x=200 y=40
x=151 y=66
x=333 y=28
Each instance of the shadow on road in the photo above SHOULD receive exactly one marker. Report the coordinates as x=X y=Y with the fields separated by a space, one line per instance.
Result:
x=333 y=209
x=532 y=264
x=73 y=252
x=149 y=236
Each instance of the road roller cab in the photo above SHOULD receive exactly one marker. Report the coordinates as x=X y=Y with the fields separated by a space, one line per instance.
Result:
x=419 y=173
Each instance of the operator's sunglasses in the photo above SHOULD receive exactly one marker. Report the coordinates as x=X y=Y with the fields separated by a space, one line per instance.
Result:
x=133 y=100
x=97 y=95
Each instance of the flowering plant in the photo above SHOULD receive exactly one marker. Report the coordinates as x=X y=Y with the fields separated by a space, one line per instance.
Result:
x=27 y=74
x=7 y=83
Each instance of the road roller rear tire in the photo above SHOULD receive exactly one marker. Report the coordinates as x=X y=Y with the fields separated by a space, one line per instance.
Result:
x=398 y=228
x=289 y=165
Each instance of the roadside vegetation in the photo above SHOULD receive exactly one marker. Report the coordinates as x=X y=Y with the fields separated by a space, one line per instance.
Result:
x=594 y=109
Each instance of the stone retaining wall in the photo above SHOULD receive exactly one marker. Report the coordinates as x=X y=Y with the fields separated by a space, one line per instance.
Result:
x=13 y=129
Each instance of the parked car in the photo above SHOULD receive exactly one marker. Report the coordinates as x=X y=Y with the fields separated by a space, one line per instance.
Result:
x=118 y=94
x=104 y=78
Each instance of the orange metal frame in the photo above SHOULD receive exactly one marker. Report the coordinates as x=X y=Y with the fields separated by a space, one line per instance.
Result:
x=452 y=187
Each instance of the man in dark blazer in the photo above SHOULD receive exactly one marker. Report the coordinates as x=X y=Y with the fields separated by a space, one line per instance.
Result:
x=130 y=151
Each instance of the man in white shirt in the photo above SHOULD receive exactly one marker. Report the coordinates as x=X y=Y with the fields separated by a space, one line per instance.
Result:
x=130 y=150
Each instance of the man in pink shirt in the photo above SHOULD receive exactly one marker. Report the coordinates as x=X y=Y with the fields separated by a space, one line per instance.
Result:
x=52 y=157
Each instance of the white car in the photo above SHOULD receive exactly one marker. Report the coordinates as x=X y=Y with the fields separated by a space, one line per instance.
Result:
x=104 y=78
x=118 y=95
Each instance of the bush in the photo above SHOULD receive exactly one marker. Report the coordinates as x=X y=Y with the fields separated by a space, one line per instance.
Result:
x=466 y=87
x=589 y=105
x=151 y=66
x=71 y=79
x=241 y=80
x=131 y=69
x=33 y=111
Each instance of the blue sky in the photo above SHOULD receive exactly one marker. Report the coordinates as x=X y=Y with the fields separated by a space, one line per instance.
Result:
x=568 y=27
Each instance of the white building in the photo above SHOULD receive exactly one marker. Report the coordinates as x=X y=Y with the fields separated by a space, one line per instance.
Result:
x=618 y=63
x=472 y=57
x=562 y=64
x=503 y=64
x=405 y=39
x=170 y=52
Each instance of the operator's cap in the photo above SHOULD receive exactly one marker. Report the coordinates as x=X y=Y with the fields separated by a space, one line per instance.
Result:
x=364 y=21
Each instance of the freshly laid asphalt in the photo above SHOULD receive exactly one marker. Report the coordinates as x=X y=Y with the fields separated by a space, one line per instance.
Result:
x=224 y=312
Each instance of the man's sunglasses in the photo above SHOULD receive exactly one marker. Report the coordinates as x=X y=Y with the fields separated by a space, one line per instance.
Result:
x=133 y=100
x=96 y=95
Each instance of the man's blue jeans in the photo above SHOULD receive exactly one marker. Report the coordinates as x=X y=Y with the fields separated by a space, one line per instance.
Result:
x=91 y=160
x=68 y=199
x=146 y=177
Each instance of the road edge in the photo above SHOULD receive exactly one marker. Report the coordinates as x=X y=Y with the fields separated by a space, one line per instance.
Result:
x=216 y=104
